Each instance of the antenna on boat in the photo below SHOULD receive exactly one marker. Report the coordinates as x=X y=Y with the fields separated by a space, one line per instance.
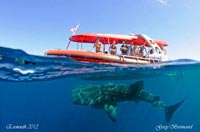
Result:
x=73 y=30
x=68 y=44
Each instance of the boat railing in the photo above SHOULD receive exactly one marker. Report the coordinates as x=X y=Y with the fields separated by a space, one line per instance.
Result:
x=140 y=58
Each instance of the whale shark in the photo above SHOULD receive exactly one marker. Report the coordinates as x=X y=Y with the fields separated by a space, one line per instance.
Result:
x=108 y=96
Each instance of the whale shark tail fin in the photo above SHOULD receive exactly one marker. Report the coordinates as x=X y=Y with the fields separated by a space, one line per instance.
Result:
x=169 y=110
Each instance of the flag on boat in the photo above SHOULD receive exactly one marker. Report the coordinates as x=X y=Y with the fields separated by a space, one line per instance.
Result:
x=74 y=29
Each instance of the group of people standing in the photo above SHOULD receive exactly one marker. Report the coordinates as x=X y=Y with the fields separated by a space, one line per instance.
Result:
x=131 y=49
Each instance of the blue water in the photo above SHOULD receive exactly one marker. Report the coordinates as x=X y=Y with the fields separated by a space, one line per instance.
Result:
x=37 y=92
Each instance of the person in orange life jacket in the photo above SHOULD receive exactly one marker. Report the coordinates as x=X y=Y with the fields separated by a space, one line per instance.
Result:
x=97 y=45
x=113 y=48
x=124 y=48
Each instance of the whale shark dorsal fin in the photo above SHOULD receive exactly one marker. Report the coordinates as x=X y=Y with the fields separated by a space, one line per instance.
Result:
x=111 y=110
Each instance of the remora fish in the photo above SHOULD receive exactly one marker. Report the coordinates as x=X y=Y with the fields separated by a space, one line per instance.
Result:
x=107 y=97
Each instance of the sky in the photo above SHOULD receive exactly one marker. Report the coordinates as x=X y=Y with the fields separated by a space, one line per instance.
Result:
x=37 y=25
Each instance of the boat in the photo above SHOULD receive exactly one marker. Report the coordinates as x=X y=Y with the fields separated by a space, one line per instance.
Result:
x=151 y=45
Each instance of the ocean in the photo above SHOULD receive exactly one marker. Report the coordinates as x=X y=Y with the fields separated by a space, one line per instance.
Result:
x=36 y=95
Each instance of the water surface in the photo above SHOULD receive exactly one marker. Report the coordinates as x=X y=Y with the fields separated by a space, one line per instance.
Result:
x=37 y=90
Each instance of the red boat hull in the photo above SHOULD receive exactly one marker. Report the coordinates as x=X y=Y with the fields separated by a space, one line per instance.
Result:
x=86 y=56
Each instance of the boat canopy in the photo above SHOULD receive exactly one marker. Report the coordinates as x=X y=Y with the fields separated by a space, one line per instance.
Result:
x=135 y=39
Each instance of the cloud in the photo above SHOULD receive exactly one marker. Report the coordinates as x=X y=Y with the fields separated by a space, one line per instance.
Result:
x=163 y=2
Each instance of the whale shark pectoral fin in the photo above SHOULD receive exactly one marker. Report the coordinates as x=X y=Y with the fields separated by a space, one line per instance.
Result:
x=111 y=110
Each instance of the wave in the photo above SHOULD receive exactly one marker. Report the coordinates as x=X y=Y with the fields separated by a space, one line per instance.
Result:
x=17 y=65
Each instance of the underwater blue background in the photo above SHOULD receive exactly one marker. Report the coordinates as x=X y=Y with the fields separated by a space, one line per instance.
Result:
x=44 y=97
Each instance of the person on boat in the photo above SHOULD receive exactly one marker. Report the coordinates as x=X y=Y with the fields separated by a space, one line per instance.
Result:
x=150 y=53
x=142 y=51
x=113 y=48
x=124 y=48
x=133 y=49
x=98 y=45
x=137 y=50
